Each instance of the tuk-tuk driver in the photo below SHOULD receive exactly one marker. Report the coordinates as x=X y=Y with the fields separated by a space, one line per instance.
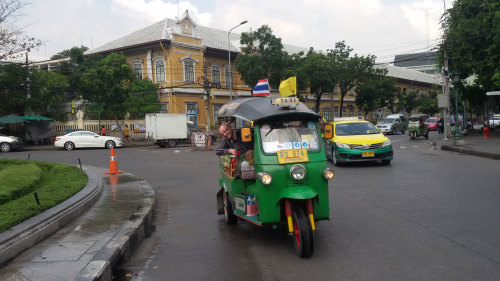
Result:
x=227 y=144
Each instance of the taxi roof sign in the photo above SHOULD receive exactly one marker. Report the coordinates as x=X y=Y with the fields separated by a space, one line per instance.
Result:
x=348 y=118
x=286 y=102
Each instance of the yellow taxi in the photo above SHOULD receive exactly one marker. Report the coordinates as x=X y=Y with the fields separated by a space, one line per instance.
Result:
x=355 y=139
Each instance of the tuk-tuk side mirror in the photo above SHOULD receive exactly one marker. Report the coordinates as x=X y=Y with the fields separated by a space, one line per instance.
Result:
x=328 y=131
x=246 y=135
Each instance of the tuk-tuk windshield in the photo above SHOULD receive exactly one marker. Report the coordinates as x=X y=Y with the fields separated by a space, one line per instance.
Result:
x=282 y=135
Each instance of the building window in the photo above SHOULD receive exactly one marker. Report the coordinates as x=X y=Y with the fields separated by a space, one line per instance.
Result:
x=227 y=76
x=327 y=114
x=216 y=112
x=164 y=107
x=192 y=112
x=336 y=112
x=215 y=74
x=344 y=111
x=160 y=70
x=189 y=71
x=138 y=71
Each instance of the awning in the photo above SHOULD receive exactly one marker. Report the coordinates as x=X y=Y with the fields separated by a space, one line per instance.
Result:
x=37 y=117
x=11 y=119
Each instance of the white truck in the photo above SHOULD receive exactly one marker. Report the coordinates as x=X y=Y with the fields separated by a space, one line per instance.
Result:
x=166 y=129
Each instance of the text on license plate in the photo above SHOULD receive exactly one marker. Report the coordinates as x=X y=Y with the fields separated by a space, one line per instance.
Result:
x=368 y=154
x=292 y=156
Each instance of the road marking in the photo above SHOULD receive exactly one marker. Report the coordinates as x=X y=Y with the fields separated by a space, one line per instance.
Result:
x=397 y=140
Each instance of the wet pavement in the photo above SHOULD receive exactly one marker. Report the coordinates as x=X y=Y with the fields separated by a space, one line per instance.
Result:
x=94 y=242
x=84 y=248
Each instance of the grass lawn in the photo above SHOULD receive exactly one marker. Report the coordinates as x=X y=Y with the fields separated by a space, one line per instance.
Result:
x=20 y=179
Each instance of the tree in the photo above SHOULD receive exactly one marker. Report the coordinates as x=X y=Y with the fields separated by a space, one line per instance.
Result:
x=75 y=54
x=47 y=94
x=143 y=97
x=262 y=56
x=407 y=101
x=13 y=93
x=473 y=40
x=106 y=84
x=428 y=104
x=13 y=40
x=315 y=71
x=377 y=91
x=350 y=71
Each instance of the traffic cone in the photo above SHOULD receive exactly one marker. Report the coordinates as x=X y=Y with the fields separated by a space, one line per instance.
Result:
x=113 y=167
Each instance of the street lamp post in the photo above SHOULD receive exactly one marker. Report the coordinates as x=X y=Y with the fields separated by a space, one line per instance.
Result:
x=458 y=136
x=229 y=59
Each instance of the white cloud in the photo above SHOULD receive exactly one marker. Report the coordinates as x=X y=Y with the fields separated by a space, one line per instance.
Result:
x=381 y=27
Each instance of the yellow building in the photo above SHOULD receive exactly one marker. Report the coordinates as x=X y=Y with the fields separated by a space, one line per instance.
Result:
x=177 y=55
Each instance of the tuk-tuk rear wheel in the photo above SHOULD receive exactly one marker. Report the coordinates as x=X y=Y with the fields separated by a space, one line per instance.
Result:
x=228 y=211
x=302 y=234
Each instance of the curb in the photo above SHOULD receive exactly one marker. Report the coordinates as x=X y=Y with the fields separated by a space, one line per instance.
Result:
x=124 y=242
x=25 y=235
x=470 y=151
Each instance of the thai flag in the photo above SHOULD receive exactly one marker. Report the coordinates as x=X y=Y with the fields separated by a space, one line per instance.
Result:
x=261 y=89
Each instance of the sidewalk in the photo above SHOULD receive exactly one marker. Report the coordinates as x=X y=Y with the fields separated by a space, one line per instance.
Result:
x=89 y=245
x=476 y=144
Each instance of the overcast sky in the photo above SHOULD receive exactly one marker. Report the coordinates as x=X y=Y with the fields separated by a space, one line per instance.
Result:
x=380 y=27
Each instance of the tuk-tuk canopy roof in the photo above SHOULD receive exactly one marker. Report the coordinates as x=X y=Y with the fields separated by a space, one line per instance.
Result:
x=418 y=116
x=259 y=108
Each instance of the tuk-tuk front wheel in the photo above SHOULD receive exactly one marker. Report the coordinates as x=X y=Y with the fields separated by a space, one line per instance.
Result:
x=228 y=210
x=302 y=234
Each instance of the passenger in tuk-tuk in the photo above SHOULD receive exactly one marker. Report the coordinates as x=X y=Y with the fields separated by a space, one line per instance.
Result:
x=227 y=144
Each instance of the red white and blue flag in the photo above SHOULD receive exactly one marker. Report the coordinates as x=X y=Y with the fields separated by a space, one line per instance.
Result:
x=261 y=89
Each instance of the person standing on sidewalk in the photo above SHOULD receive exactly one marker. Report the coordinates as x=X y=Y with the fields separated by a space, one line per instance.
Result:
x=127 y=134
x=103 y=131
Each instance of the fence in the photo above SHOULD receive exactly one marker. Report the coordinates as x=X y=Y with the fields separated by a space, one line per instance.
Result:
x=137 y=128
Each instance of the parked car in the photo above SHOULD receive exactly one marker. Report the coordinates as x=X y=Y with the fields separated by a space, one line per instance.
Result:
x=494 y=121
x=8 y=143
x=391 y=125
x=81 y=139
x=432 y=123
x=355 y=139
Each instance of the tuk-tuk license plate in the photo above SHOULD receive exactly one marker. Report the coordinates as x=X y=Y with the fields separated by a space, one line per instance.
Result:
x=292 y=156
x=367 y=154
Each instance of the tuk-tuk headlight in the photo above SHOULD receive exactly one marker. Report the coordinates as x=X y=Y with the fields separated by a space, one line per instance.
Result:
x=328 y=174
x=342 y=145
x=386 y=143
x=265 y=178
x=298 y=172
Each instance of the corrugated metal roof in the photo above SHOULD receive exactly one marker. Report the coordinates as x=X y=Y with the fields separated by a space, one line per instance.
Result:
x=412 y=75
x=210 y=37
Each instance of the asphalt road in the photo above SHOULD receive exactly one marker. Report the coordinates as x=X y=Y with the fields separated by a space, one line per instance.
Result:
x=430 y=215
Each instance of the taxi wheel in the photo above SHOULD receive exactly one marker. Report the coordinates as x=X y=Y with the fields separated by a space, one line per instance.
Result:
x=386 y=162
x=302 y=234
x=228 y=211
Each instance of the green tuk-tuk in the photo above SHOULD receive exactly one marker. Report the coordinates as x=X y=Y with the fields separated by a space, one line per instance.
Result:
x=286 y=182
x=417 y=126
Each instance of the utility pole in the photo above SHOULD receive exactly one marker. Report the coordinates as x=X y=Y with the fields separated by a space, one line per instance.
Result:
x=28 y=93
x=207 y=86
x=446 y=85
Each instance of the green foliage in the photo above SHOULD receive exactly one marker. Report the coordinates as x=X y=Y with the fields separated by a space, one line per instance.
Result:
x=106 y=84
x=13 y=93
x=316 y=73
x=406 y=101
x=474 y=40
x=349 y=70
x=262 y=56
x=428 y=104
x=75 y=54
x=376 y=91
x=57 y=183
x=18 y=180
x=47 y=98
x=143 y=98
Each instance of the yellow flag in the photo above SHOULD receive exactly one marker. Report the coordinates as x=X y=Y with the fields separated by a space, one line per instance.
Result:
x=288 y=87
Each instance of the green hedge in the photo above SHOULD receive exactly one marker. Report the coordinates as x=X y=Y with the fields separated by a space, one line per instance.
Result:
x=18 y=180
x=57 y=182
